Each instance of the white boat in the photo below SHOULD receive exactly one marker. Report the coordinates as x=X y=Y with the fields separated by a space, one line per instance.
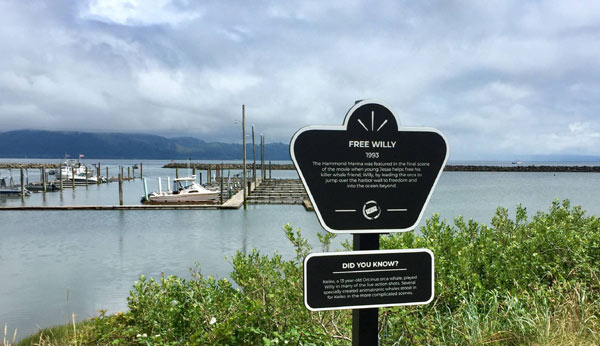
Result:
x=82 y=174
x=185 y=190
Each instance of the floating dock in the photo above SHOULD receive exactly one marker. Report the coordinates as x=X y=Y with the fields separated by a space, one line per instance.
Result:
x=278 y=191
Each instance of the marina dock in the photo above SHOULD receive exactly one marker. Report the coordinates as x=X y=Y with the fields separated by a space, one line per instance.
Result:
x=278 y=191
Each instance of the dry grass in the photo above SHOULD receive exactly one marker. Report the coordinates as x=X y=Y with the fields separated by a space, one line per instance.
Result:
x=573 y=321
x=5 y=341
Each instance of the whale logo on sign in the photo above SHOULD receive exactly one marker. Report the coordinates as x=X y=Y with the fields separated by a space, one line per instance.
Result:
x=369 y=175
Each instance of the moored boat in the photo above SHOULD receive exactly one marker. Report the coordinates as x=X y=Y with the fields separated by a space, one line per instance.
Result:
x=185 y=190
x=8 y=187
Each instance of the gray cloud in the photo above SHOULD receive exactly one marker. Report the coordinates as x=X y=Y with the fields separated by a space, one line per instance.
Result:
x=498 y=78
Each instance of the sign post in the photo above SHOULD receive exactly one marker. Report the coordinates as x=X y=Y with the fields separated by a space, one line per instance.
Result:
x=367 y=177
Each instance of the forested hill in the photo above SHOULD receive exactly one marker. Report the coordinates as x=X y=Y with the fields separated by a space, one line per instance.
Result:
x=55 y=144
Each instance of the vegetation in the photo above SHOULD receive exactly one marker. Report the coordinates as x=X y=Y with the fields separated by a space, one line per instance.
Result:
x=517 y=281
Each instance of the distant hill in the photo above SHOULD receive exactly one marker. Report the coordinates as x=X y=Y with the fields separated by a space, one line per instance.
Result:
x=55 y=144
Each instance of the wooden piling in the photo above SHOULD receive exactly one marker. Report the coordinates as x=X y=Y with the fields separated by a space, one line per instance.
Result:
x=222 y=192
x=72 y=177
x=208 y=174
x=244 y=149
x=121 y=187
x=43 y=179
x=60 y=178
x=22 y=183
x=141 y=170
x=86 y=175
x=262 y=157
x=176 y=173
x=193 y=170
x=98 y=174
x=253 y=157
x=107 y=176
x=128 y=173
x=270 y=169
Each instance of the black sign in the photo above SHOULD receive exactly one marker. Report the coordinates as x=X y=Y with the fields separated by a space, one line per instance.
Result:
x=369 y=175
x=367 y=279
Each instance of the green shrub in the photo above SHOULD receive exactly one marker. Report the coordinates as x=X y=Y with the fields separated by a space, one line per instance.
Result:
x=514 y=282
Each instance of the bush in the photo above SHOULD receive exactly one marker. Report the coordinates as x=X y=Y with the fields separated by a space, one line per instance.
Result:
x=512 y=282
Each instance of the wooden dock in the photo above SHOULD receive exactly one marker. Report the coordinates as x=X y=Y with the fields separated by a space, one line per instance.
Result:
x=278 y=191
x=235 y=202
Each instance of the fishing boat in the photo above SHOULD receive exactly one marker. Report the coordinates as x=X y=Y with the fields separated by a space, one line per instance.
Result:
x=185 y=190
x=74 y=170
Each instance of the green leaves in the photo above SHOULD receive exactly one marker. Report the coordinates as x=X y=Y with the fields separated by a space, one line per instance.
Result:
x=515 y=281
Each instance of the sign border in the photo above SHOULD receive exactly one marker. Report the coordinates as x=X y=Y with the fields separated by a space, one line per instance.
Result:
x=368 y=252
x=344 y=127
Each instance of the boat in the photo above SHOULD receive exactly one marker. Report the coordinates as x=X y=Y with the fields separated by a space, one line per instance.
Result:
x=185 y=190
x=82 y=174
x=50 y=186
x=8 y=187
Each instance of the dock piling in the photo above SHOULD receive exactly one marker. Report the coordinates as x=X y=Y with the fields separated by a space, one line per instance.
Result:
x=98 y=174
x=222 y=192
x=262 y=157
x=44 y=180
x=145 y=188
x=60 y=178
x=121 y=187
x=107 y=176
x=128 y=173
x=176 y=173
x=141 y=170
x=86 y=175
x=244 y=145
x=253 y=157
x=22 y=183
x=73 y=177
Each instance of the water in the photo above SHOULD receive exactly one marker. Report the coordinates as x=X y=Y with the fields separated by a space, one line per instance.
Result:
x=56 y=263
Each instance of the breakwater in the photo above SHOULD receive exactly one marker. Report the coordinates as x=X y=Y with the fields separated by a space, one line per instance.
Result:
x=518 y=168
x=237 y=166
x=13 y=165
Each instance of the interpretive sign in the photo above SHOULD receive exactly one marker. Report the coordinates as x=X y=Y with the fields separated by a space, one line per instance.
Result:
x=369 y=175
x=366 y=279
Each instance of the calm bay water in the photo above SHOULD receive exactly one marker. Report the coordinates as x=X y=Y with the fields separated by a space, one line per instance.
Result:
x=56 y=263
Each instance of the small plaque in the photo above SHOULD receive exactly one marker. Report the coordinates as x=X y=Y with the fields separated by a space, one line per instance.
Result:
x=368 y=279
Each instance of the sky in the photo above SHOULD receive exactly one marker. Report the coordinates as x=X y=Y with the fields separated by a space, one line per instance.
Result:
x=499 y=78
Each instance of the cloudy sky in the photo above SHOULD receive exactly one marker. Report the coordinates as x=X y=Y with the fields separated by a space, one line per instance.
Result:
x=498 y=78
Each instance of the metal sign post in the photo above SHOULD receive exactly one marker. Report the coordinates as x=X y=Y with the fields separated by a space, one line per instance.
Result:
x=368 y=177
x=365 y=322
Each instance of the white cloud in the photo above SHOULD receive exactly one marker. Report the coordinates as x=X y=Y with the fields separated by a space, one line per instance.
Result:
x=138 y=12
x=498 y=77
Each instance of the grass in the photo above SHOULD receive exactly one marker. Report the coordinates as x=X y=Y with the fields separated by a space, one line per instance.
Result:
x=61 y=335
